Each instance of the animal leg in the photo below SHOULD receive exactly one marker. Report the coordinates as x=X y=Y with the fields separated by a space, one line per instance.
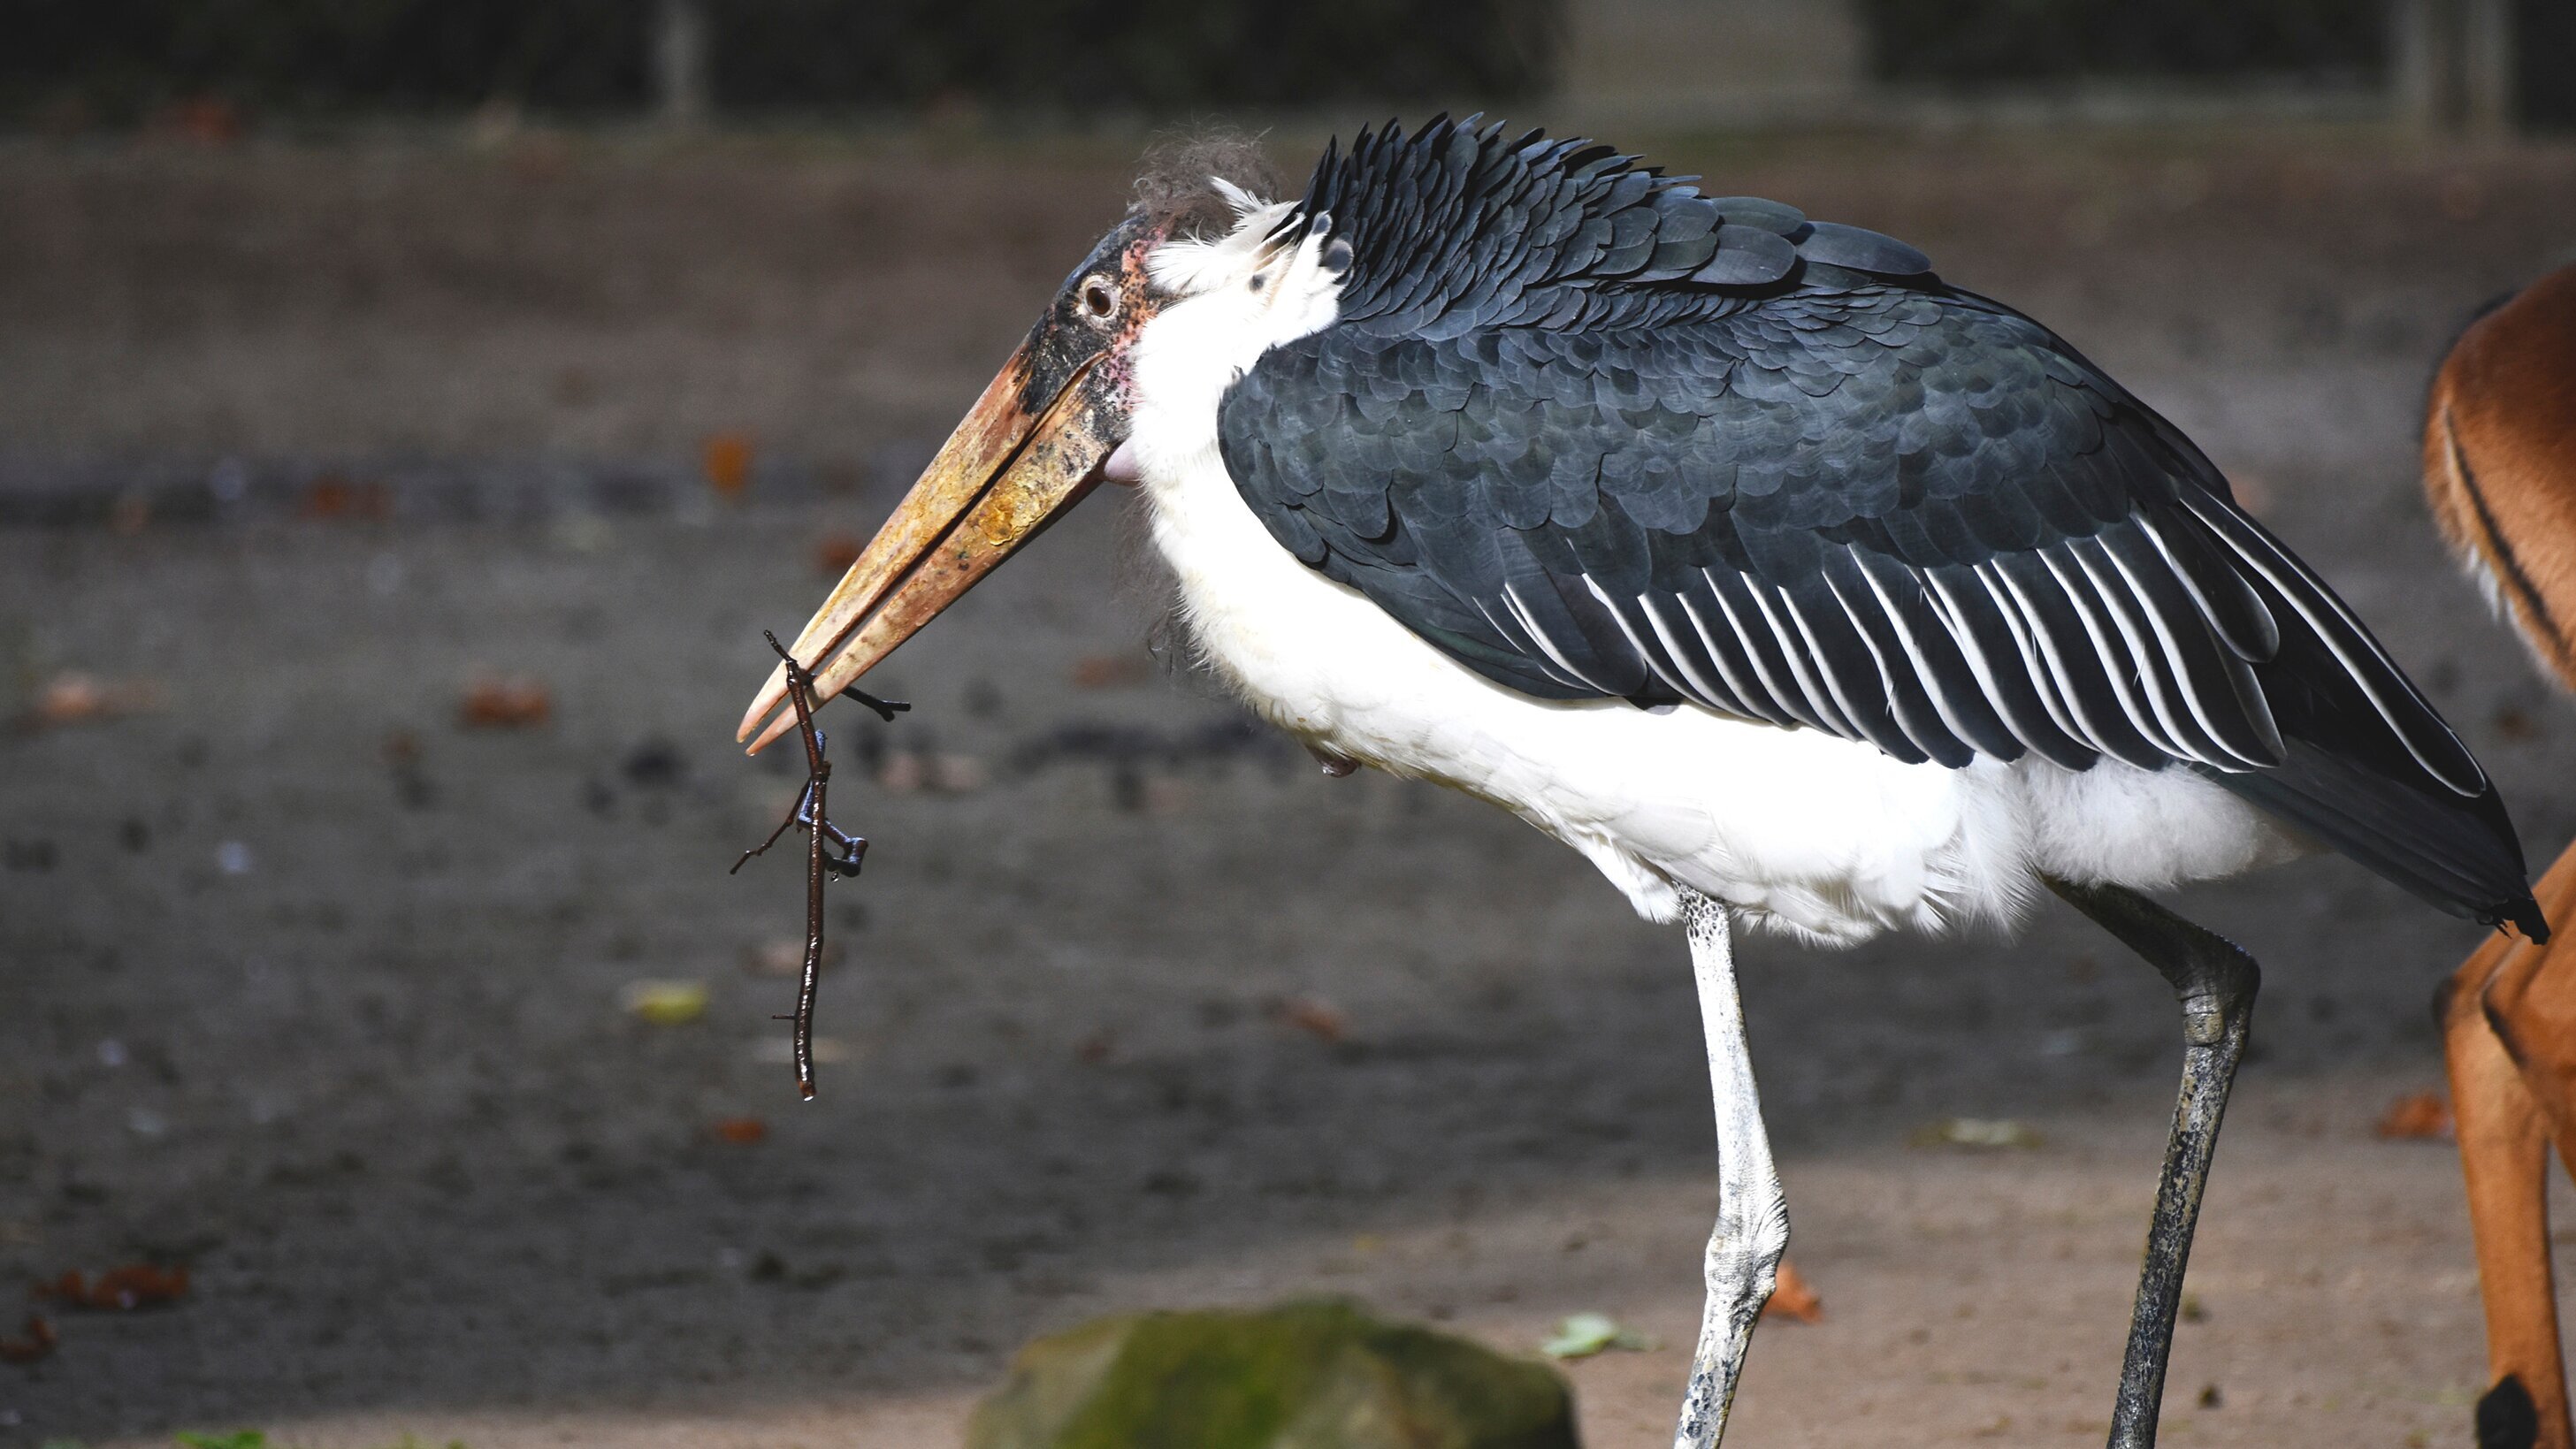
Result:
x=2504 y=1156
x=2532 y=1010
x=2509 y=1041
x=2216 y=982
x=1752 y=1213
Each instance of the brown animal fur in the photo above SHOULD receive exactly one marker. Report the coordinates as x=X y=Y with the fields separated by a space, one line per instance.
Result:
x=2500 y=461
x=2500 y=472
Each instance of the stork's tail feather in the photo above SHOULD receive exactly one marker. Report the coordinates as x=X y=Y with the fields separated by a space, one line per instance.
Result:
x=2455 y=852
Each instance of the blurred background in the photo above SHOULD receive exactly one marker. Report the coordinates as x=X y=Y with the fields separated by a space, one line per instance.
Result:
x=411 y=414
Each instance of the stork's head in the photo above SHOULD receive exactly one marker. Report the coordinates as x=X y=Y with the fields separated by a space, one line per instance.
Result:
x=1202 y=252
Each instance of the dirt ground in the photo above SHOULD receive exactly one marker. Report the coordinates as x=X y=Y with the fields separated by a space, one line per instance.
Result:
x=311 y=989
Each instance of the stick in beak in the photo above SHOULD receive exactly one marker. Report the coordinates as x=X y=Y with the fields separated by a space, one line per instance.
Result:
x=1002 y=476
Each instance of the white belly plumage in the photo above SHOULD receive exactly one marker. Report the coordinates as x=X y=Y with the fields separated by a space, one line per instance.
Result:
x=1799 y=830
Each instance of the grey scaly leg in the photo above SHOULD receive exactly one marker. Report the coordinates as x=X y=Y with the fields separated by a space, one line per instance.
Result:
x=1752 y=1213
x=2216 y=982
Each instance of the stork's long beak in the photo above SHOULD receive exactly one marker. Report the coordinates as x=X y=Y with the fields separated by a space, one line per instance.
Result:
x=1013 y=465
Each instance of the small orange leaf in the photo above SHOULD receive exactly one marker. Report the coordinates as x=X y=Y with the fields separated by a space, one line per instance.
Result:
x=741 y=1131
x=1793 y=1299
x=1110 y=671
x=834 y=555
x=505 y=704
x=1312 y=1015
x=206 y=120
x=2423 y=1116
x=38 y=1342
x=332 y=496
x=73 y=697
x=727 y=460
x=136 y=1285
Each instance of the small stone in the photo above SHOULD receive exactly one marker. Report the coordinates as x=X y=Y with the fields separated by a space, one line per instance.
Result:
x=1313 y=1375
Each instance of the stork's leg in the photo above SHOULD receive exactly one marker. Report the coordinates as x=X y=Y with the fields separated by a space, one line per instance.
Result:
x=2216 y=982
x=1752 y=1213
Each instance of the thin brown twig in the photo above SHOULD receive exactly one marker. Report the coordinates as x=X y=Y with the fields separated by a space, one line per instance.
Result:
x=810 y=811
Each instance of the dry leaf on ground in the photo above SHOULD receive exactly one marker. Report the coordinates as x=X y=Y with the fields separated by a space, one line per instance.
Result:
x=1110 y=671
x=32 y=1345
x=514 y=703
x=1312 y=1015
x=667 y=1003
x=205 y=120
x=36 y=1342
x=2425 y=1116
x=332 y=496
x=1581 y=1335
x=136 y=1285
x=834 y=555
x=1985 y=1133
x=727 y=460
x=76 y=697
x=1792 y=1298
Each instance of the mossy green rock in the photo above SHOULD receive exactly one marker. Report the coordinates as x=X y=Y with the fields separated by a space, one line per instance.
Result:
x=1302 y=1376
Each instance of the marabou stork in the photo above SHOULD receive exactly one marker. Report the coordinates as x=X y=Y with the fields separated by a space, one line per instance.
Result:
x=1787 y=583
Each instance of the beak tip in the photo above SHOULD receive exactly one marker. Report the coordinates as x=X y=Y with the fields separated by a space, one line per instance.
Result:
x=765 y=731
x=771 y=695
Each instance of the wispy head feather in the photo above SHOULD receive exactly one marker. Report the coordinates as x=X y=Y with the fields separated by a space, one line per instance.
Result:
x=1202 y=184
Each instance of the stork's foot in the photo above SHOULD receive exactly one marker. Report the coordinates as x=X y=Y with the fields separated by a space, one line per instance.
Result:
x=1752 y=1213
x=2216 y=982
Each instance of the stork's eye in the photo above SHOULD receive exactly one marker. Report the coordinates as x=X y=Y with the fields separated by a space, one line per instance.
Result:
x=1099 y=299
